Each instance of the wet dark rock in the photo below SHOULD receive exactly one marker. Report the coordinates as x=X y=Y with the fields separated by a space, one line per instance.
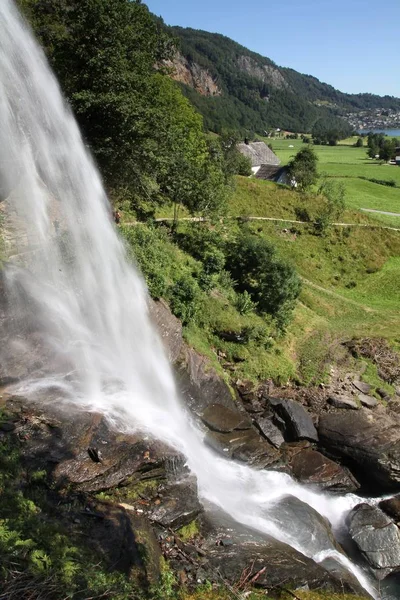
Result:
x=245 y=446
x=362 y=387
x=179 y=505
x=391 y=507
x=220 y=418
x=304 y=524
x=168 y=326
x=377 y=538
x=126 y=541
x=199 y=383
x=270 y=431
x=343 y=401
x=271 y=564
x=368 y=441
x=313 y=468
x=367 y=401
x=298 y=422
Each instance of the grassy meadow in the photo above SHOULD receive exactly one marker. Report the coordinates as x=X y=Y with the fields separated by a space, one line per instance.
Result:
x=350 y=275
x=352 y=166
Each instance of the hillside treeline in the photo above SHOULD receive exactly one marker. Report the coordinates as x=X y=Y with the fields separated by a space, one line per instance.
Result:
x=148 y=140
x=258 y=95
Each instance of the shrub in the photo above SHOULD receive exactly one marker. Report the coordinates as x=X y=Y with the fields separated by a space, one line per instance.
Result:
x=272 y=283
x=185 y=299
x=244 y=303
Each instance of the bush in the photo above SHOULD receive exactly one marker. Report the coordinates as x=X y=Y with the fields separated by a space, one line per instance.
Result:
x=204 y=244
x=185 y=299
x=272 y=283
x=244 y=303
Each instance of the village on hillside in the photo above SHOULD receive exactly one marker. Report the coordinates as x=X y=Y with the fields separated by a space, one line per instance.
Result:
x=376 y=118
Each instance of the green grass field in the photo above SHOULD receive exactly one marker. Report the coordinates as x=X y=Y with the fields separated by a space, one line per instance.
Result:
x=352 y=166
x=350 y=276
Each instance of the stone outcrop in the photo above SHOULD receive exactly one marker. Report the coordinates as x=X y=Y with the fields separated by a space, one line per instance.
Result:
x=224 y=420
x=266 y=562
x=313 y=468
x=367 y=440
x=193 y=75
x=299 y=423
x=168 y=326
x=199 y=383
x=267 y=73
x=343 y=401
x=377 y=538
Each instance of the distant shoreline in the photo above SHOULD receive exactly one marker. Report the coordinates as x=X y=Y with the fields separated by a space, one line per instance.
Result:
x=391 y=132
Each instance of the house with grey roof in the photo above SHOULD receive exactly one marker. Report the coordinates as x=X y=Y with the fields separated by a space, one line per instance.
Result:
x=277 y=174
x=259 y=154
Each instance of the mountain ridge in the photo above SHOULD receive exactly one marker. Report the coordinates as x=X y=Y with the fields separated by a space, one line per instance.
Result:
x=257 y=93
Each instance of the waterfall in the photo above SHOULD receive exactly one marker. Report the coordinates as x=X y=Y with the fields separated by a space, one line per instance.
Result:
x=75 y=296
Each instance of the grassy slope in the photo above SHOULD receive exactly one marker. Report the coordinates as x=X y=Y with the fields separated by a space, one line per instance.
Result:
x=350 y=277
x=350 y=164
x=349 y=287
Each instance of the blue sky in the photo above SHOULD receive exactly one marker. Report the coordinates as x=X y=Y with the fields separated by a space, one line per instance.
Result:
x=352 y=44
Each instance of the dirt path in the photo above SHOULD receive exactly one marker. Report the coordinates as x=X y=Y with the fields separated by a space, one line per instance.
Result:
x=380 y=212
x=336 y=295
x=274 y=219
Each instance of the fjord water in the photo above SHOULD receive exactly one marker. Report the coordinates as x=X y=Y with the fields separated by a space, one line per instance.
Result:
x=87 y=306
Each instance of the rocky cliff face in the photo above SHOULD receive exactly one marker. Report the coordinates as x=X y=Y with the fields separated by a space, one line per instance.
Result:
x=267 y=73
x=193 y=75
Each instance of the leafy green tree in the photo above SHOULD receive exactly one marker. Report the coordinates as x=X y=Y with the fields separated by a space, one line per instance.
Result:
x=388 y=150
x=147 y=139
x=334 y=194
x=359 y=143
x=271 y=282
x=303 y=168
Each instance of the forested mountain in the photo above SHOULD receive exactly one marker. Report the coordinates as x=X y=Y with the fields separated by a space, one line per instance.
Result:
x=251 y=93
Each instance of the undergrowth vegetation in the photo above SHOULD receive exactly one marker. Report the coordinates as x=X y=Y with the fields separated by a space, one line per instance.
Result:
x=236 y=283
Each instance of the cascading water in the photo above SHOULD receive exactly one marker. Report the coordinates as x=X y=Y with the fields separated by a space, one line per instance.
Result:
x=87 y=307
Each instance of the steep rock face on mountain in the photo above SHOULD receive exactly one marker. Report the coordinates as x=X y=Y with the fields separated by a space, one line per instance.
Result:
x=266 y=73
x=193 y=75
x=235 y=88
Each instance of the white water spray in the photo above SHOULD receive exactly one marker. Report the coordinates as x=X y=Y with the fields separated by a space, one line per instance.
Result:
x=86 y=307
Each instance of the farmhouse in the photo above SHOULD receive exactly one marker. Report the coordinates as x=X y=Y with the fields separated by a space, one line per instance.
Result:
x=274 y=173
x=259 y=154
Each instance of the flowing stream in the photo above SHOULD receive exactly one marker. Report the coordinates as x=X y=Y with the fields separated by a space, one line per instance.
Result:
x=88 y=306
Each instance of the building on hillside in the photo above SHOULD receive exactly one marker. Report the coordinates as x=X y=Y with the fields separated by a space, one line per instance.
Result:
x=397 y=156
x=277 y=174
x=259 y=154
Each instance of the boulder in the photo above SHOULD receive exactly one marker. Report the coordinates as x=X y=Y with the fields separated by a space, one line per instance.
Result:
x=377 y=538
x=168 y=326
x=368 y=441
x=270 y=431
x=362 y=387
x=125 y=541
x=298 y=422
x=246 y=446
x=342 y=401
x=220 y=418
x=313 y=468
x=235 y=552
x=391 y=507
x=367 y=401
x=199 y=383
x=178 y=505
x=303 y=524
